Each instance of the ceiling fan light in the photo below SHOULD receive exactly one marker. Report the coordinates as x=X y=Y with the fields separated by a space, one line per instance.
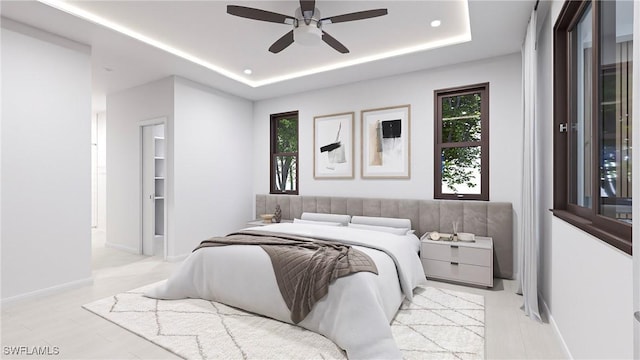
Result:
x=307 y=34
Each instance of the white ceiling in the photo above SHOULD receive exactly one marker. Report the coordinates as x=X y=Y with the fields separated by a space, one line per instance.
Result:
x=202 y=30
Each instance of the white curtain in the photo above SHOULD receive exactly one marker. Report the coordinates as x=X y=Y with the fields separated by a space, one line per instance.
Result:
x=530 y=234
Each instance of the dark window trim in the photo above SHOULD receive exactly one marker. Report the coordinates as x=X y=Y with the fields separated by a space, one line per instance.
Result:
x=614 y=233
x=273 y=154
x=483 y=88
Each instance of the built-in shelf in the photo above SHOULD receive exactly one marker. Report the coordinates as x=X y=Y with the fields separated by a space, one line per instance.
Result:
x=160 y=173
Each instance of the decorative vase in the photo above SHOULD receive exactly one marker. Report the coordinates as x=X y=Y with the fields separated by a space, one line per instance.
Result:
x=277 y=216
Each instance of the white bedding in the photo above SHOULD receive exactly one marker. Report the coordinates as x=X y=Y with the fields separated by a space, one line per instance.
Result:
x=356 y=312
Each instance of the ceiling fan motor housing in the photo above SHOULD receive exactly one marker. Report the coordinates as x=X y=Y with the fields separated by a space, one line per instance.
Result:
x=308 y=34
x=307 y=25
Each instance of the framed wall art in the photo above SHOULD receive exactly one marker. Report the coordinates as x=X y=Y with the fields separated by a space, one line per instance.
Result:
x=333 y=139
x=386 y=150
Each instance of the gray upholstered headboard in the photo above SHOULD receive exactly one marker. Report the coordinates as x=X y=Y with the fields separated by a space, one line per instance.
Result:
x=494 y=219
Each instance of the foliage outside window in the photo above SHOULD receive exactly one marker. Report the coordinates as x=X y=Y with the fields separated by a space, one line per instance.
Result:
x=461 y=144
x=284 y=153
x=593 y=57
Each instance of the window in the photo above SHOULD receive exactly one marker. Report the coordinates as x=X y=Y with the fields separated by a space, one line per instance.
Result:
x=592 y=115
x=284 y=153
x=462 y=143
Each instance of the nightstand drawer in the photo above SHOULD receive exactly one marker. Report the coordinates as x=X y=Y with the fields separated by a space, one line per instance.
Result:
x=451 y=270
x=457 y=253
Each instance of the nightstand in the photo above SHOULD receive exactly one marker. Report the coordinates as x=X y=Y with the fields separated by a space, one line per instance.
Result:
x=259 y=222
x=465 y=262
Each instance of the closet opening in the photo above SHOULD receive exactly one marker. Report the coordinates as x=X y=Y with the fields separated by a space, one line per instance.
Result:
x=153 y=192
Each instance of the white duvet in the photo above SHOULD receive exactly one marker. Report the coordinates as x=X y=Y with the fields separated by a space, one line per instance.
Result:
x=356 y=312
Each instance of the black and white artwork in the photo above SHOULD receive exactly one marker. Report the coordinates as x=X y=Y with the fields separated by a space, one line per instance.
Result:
x=385 y=142
x=333 y=146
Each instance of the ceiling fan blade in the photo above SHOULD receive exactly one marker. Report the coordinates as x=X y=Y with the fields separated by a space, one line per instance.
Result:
x=282 y=43
x=360 y=15
x=331 y=41
x=307 y=5
x=307 y=8
x=257 y=14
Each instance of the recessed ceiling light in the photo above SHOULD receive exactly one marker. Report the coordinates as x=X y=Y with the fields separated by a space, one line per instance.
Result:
x=435 y=23
x=248 y=71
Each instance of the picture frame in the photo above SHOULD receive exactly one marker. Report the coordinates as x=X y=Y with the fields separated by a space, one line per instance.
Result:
x=386 y=143
x=333 y=139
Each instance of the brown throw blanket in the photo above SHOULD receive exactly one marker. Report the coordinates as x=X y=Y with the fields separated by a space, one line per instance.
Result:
x=304 y=267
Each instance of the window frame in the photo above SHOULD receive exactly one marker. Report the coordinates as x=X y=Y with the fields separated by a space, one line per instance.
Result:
x=274 y=118
x=611 y=231
x=483 y=88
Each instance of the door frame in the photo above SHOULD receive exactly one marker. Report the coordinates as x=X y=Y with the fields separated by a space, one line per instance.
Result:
x=141 y=125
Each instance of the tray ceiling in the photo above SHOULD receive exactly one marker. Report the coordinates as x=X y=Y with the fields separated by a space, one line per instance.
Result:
x=144 y=40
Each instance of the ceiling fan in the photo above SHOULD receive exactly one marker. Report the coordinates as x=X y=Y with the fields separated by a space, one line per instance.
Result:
x=307 y=24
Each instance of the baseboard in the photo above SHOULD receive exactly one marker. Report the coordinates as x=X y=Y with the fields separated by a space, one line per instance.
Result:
x=122 y=247
x=552 y=322
x=47 y=291
x=177 y=258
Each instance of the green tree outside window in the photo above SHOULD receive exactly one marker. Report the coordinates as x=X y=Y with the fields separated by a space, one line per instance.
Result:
x=284 y=153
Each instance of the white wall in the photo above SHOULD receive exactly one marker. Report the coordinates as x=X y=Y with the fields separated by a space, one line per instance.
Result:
x=591 y=297
x=125 y=111
x=504 y=76
x=46 y=116
x=209 y=175
x=586 y=283
x=505 y=134
x=213 y=174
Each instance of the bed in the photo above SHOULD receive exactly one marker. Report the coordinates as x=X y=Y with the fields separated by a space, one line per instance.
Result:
x=358 y=308
x=482 y=218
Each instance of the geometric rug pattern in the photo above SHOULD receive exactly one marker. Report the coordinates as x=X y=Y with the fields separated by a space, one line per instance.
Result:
x=437 y=324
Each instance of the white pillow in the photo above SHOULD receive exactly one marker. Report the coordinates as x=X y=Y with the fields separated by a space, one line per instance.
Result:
x=382 y=221
x=311 y=222
x=342 y=219
x=387 y=229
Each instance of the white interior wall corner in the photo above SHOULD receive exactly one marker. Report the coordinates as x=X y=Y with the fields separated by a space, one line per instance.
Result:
x=209 y=177
x=126 y=110
x=213 y=157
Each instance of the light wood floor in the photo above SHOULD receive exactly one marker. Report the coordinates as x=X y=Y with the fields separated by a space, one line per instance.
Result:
x=59 y=320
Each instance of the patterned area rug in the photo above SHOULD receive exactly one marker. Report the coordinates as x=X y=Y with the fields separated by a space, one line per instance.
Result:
x=437 y=324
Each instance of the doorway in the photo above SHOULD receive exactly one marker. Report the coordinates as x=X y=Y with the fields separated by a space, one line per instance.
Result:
x=98 y=179
x=154 y=184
